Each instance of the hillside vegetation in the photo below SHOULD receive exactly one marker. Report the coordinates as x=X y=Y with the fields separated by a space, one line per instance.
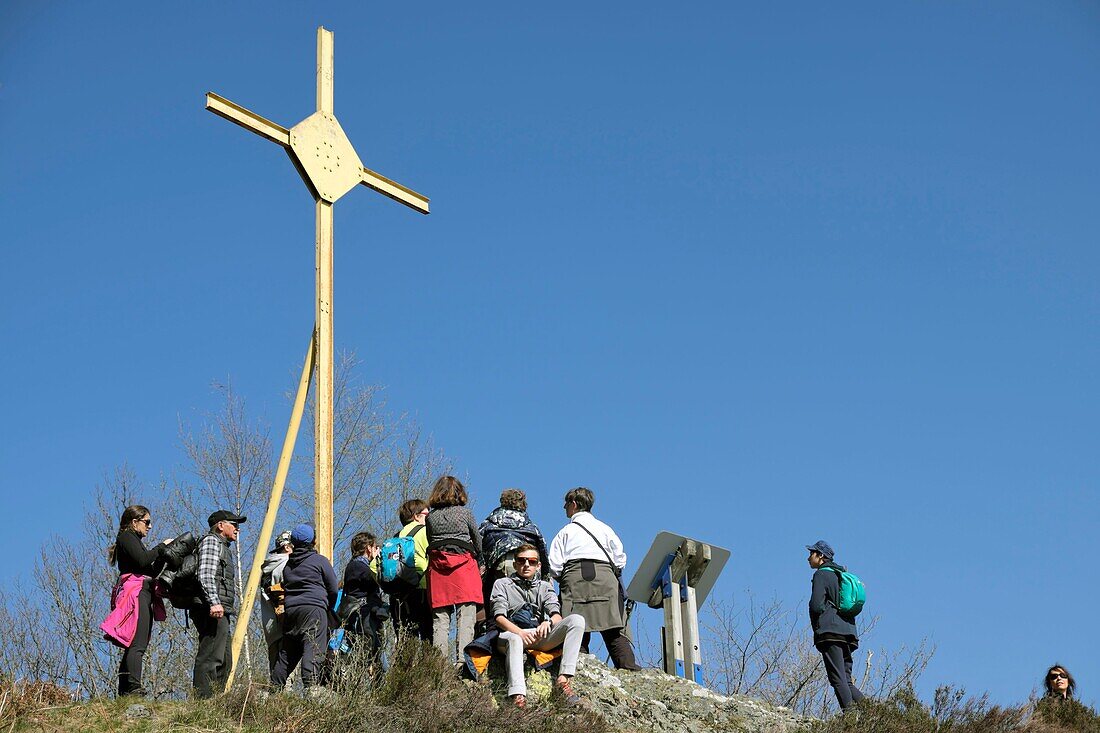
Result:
x=421 y=694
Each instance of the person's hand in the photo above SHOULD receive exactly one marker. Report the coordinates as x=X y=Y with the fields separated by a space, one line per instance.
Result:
x=217 y=611
x=529 y=636
x=169 y=541
x=543 y=630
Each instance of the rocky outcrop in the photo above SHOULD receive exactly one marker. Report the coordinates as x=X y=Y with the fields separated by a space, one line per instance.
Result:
x=651 y=700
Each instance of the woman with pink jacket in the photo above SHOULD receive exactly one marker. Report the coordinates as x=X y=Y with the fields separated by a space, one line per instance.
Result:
x=134 y=603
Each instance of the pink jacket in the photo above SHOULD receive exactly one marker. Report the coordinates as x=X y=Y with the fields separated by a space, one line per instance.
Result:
x=121 y=623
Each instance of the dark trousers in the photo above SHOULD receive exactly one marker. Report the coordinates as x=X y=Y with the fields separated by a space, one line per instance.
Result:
x=305 y=641
x=129 y=669
x=214 y=655
x=618 y=646
x=410 y=614
x=838 y=666
x=273 y=648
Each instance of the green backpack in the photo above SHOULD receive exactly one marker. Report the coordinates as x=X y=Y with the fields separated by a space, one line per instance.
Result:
x=852 y=595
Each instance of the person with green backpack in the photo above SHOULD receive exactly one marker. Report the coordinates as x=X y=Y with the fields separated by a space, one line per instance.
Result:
x=836 y=598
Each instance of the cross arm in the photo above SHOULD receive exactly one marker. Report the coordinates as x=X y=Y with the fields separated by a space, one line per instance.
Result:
x=394 y=190
x=248 y=120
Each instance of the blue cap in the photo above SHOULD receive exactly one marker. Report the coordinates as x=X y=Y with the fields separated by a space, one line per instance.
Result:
x=302 y=535
x=822 y=547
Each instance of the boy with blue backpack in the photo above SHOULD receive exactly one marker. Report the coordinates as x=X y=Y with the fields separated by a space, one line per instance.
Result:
x=836 y=598
x=404 y=560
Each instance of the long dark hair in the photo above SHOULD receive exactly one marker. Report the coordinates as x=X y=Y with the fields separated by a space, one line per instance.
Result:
x=1051 y=692
x=126 y=523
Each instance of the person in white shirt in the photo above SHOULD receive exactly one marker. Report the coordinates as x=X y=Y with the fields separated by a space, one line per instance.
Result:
x=587 y=558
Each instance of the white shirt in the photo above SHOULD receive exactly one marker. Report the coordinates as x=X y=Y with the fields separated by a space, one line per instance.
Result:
x=573 y=543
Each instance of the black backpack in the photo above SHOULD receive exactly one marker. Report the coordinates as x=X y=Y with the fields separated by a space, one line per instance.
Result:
x=180 y=576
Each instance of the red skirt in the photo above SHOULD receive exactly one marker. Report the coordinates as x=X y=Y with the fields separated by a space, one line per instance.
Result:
x=453 y=578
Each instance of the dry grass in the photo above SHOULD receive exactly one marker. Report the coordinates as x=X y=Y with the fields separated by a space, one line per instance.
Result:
x=419 y=694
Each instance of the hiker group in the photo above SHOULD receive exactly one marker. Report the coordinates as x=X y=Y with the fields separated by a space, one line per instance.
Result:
x=491 y=582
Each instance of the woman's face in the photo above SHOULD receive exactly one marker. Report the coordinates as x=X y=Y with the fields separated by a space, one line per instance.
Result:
x=1059 y=680
x=141 y=526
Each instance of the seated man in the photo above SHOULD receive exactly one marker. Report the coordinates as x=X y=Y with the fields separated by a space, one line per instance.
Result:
x=529 y=617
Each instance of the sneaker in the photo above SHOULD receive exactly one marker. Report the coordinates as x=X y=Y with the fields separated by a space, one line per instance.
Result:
x=564 y=690
x=520 y=701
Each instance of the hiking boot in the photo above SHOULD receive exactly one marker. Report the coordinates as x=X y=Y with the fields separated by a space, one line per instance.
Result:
x=520 y=701
x=564 y=690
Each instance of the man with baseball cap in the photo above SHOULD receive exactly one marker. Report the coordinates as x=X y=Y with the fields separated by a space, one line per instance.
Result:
x=211 y=612
x=834 y=635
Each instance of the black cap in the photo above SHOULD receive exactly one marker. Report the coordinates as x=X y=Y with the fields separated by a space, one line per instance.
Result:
x=223 y=515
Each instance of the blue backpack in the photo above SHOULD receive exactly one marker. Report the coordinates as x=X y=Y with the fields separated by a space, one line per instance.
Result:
x=398 y=562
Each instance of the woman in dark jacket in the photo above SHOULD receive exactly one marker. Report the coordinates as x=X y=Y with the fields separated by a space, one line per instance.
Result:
x=1059 y=706
x=132 y=558
x=506 y=528
x=363 y=595
x=1059 y=683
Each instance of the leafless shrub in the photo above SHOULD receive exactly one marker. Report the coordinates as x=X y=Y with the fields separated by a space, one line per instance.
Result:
x=764 y=649
x=228 y=463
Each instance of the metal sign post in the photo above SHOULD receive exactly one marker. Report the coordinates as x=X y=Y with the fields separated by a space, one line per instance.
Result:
x=676 y=575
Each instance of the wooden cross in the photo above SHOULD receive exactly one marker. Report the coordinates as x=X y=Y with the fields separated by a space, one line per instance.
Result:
x=330 y=168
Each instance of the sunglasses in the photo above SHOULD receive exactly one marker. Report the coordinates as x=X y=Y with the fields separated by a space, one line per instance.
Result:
x=146 y=522
x=1057 y=676
x=527 y=561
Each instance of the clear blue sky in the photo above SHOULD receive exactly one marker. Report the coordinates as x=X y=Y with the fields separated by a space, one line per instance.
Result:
x=757 y=272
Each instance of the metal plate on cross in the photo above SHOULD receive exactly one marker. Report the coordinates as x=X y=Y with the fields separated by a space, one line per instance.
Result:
x=324 y=152
x=700 y=562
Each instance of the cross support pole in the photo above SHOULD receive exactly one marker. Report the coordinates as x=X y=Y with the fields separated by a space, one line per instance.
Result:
x=264 y=540
x=323 y=411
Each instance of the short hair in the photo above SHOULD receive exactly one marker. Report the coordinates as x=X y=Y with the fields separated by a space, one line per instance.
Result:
x=513 y=499
x=526 y=547
x=361 y=541
x=408 y=510
x=582 y=497
x=448 y=491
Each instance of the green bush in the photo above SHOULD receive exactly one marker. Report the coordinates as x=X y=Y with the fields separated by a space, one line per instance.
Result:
x=952 y=711
x=1065 y=714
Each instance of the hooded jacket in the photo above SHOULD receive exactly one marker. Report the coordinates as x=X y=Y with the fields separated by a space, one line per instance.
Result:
x=506 y=529
x=827 y=624
x=272 y=574
x=309 y=580
x=272 y=569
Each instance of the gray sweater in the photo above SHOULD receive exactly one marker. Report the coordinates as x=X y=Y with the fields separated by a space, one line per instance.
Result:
x=452 y=523
x=511 y=593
